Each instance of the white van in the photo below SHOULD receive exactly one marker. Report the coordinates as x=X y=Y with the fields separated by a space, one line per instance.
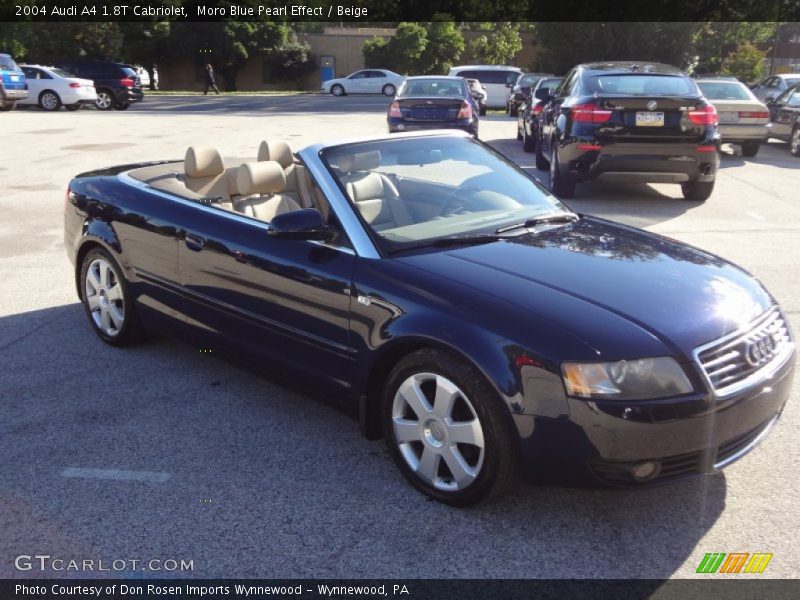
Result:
x=497 y=79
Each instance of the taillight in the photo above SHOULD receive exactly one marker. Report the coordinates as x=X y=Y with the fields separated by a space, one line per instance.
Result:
x=747 y=114
x=537 y=110
x=394 y=110
x=590 y=113
x=706 y=148
x=126 y=82
x=74 y=85
x=704 y=116
x=466 y=111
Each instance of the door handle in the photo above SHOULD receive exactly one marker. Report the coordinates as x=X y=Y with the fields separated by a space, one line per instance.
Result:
x=194 y=242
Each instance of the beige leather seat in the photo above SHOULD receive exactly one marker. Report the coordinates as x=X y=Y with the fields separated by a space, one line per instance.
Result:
x=374 y=194
x=261 y=186
x=297 y=185
x=206 y=175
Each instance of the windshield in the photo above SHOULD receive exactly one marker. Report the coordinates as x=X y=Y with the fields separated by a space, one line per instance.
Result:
x=661 y=85
x=719 y=90
x=421 y=189
x=431 y=87
x=7 y=64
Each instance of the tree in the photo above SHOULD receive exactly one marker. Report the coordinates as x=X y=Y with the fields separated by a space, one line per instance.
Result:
x=746 y=64
x=445 y=45
x=416 y=48
x=290 y=61
x=711 y=39
x=49 y=42
x=498 y=47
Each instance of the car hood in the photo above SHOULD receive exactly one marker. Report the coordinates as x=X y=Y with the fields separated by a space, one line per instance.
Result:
x=599 y=279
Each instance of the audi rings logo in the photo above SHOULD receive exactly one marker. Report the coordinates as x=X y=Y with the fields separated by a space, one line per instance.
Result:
x=652 y=105
x=760 y=349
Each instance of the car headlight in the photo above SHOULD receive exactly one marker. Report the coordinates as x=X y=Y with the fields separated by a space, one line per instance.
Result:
x=643 y=379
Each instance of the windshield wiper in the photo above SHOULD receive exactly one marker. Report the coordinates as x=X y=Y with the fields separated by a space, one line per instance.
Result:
x=548 y=218
x=453 y=240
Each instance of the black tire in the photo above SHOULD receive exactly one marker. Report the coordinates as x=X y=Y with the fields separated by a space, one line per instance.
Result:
x=77 y=106
x=482 y=111
x=750 y=149
x=5 y=105
x=513 y=110
x=697 y=191
x=558 y=185
x=105 y=99
x=122 y=106
x=528 y=141
x=541 y=162
x=131 y=330
x=519 y=133
x=498 y=468
x=389 y=90
x=338 y=90
x=794 y=141
x=49 y=100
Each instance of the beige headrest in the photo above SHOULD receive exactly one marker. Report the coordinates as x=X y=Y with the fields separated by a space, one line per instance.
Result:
x=278 y=151
x=265 y=177
x=203 y=162
x=366 y=161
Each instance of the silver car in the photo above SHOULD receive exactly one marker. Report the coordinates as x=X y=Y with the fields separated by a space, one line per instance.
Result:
x=743 y=118
x=774 y=85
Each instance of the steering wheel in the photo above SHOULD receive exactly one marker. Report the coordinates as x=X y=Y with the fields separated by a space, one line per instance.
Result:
x=454 y=202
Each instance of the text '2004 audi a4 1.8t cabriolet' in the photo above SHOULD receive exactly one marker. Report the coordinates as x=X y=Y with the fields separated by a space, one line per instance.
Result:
x=431 y=288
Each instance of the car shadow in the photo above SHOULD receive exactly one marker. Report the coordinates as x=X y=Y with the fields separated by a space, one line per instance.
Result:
x=254 y=466
x=774 y=153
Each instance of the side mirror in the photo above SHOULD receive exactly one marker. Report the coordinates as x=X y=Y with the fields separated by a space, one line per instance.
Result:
x=303 y=224
x=543 y=94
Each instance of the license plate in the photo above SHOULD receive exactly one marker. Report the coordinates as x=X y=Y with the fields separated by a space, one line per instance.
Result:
x=649 y=119
x=728 y=117
x=14 y=77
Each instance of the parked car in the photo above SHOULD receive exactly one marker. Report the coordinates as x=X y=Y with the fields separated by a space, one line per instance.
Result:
x=366 y=81
x=434 y=102
x=427 y=285
x=530 y=111
x=13 y=86
x=51 y=88
x=521 y=89
x=143 y=75
x=743 y=119
x=774 y=85
x=497 y=79
x=785 y=116
x=630 y=122
x=479 y=93
x=117 y=84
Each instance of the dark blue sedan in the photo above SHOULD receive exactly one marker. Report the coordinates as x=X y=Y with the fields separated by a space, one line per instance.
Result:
x=434 y=102
x=433 y=290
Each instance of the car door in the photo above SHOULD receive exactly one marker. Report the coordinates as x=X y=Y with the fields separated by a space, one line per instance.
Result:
x=357 y=82
x=281 y=305
x=375 y=82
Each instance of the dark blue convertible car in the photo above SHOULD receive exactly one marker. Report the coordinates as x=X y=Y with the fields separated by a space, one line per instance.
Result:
x=433 y=290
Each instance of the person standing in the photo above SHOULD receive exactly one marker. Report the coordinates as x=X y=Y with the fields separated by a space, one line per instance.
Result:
x=211 y=80
x=154 y=79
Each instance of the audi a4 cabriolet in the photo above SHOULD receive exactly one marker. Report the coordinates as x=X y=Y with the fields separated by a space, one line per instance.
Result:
x=432 y=289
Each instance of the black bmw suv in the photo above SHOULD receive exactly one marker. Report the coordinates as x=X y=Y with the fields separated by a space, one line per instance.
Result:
x=117 y=84
x=630 y=122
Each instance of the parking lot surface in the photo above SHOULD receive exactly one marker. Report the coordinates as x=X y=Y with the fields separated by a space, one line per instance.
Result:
x=161 y=452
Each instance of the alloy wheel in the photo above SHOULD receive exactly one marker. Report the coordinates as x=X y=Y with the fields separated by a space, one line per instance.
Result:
x=104 y=297
x=795 y=143
x=49 y=101
x=437 y=432
x=337 y=90
x=104 y=100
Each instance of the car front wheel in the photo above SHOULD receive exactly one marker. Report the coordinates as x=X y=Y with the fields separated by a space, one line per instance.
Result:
x=389 y=90
x=49 y=101
x=446 y=429
x=105 y=100
x=337 y=90
x=107 y=300
x=558 y=185
x=794 y=143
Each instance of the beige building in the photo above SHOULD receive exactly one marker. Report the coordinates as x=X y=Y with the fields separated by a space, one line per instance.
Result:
x=336 y=48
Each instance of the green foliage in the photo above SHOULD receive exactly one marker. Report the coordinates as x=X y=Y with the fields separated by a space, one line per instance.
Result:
x=746 y=63
x=11 y=40
x=49 y=42
x=710 y=40
x=497 y=47
x=290 y=61
x=416 y=48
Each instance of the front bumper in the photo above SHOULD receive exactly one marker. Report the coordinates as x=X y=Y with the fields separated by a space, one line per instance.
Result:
x=639 y=162
x=740 y=132
x=603 y=442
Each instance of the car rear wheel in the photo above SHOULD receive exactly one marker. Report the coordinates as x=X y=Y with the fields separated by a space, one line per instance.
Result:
x=105 y=100
x=528 y=141
x=750 y=148
x=558 y=185
x=337 y=90
x=698 y=191
x=7 y=105
x=482 y=110
x=107 y=300
x=794 y=141
x=49 y=100
x=389 y=90
x=541 y=162
x=446 y=429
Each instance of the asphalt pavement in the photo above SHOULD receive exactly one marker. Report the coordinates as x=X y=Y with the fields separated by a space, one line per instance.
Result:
x=160 y=452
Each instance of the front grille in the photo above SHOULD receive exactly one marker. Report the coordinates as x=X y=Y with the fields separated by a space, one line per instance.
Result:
x=742 y=358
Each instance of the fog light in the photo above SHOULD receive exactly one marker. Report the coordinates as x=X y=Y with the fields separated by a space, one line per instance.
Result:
x=646 y=470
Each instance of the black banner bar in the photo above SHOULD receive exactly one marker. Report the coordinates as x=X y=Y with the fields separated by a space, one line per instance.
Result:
x=731 y=588
x=393 y=11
